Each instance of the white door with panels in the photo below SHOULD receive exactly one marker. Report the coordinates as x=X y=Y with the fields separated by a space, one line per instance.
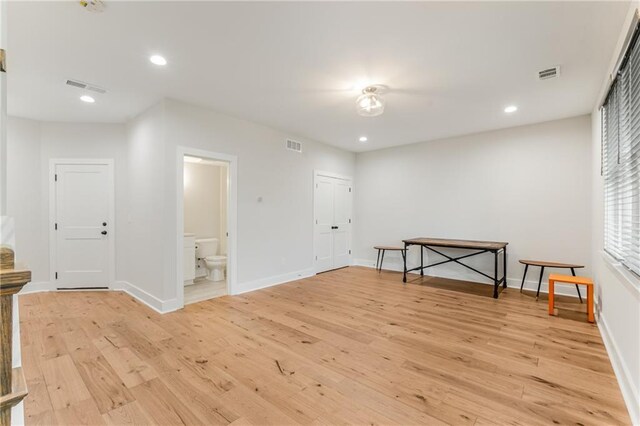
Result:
x=82 y=209
x=332 y=210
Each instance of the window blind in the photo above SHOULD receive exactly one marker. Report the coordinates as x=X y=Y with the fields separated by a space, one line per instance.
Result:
x=621 y=161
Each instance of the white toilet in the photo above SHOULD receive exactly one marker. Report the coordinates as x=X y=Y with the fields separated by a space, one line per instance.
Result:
x=206 y=250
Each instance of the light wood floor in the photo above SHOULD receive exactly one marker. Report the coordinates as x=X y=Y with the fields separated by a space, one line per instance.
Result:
x=346 y=347
x=204 y=289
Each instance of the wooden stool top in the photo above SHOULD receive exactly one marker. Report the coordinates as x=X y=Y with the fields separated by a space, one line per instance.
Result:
x=388 y=248
x=570 y=279
x=549 y=264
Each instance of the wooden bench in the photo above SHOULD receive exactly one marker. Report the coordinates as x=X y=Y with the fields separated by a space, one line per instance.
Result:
x=543 y=264
x=554 y=278
x=383 y=249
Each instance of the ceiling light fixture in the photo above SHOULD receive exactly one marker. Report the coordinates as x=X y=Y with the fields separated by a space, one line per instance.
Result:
x=158 y=60
x=88 y=99
x=370 y=103
x=363 y=139
x=92 y=5
x=189 y=159
x=511 y=109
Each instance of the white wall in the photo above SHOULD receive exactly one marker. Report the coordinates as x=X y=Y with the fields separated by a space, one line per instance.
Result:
x=529 y=186
x=24 y=195
x=144 y=228
x=275 y=237
x=30 y=146
x=617 y=291
x=202 y=200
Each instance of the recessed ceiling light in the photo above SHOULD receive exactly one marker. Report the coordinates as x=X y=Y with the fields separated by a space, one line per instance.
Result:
x=158 y=60
x=88 y=99
x=510 y=109
x=363 y=139
x=190 y=159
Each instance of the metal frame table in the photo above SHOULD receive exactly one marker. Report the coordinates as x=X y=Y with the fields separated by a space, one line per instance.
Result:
x=481 y=247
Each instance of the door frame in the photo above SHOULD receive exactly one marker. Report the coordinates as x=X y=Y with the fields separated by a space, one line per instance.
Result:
x=53 y=162
x=232 y=217
x=316 y=175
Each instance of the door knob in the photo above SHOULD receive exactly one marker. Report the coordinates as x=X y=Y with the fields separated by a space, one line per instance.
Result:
x=104 y=232
x=334 y=227
x=104 y=223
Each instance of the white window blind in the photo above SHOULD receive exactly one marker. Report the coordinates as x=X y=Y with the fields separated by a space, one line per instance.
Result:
x=621 y=162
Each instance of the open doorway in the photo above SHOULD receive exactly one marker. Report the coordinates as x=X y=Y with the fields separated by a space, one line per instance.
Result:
x=206 y=209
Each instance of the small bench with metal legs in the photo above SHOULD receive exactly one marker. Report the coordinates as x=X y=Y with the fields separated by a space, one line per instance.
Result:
x=543 y=264
x=382 y=250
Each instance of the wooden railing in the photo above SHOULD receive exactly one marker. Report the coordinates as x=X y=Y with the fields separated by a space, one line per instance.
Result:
x=13 y=387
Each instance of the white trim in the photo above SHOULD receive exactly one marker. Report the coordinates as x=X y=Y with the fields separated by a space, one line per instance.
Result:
x=625 y=380
x=530 y=285
x=626 y=277
x=273 y=281
x=316 y=175
x=37 y=287
x=53 y=162
x=160 y=306
x=232 y=218
x=623 y=50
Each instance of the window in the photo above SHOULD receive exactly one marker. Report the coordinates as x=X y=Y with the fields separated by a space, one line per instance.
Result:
x=621 y=161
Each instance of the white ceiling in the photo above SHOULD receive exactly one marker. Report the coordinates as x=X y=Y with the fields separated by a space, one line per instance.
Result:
x=451 y=67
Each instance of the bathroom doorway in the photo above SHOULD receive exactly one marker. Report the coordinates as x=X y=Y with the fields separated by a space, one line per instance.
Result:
x=206 y=210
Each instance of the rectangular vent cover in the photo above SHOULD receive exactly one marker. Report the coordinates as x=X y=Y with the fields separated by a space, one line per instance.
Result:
x=294 y=146
x=549 y=73
x=87 y=86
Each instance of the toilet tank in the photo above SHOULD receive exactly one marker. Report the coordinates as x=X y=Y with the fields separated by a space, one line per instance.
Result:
x=206 y=247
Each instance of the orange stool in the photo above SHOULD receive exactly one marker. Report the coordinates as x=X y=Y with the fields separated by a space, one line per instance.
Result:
x=553 y=278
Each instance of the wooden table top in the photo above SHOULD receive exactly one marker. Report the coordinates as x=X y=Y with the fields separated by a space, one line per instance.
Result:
x=570 y=279
x=549 y=264
x=467 y=244
x=388 y=248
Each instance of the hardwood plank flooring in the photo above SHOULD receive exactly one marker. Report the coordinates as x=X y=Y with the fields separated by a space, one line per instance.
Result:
x=352 y=346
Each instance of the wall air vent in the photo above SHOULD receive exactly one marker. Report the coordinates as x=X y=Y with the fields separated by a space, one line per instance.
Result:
x=87 y=86
x=294 y=146
x=549 y=73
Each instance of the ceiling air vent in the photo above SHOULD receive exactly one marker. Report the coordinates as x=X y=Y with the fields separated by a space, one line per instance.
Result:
x=294 y=146
x=87 y=86
x=549 y=73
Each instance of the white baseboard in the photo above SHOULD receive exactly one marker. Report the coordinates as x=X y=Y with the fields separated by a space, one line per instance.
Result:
x=165 y=306
x=625 y=380
x=271 y=281
x=37 y=287
x=158 y=305
x=531 y=285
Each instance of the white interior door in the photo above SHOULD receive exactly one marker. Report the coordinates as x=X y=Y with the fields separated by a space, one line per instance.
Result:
x=341 y=223
x=332 y=236
x=83 y=225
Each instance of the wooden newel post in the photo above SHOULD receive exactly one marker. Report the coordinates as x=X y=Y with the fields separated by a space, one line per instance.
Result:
x=12 y=384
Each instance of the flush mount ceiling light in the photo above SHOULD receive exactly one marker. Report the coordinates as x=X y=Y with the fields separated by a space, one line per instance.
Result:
x=88 y=99
x=189 y=159
x=363 y=139
x=370 y=103
x=511 y=109
x=158 y=60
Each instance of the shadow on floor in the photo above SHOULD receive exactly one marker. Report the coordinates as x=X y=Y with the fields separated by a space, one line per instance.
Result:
x=566 y=306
